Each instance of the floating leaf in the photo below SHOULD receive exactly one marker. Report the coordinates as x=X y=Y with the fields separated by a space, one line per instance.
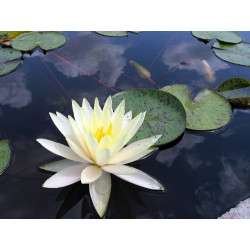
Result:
x=223 y=36
x=234 y=53
x=10 y=35
x=237 y=90
x=5 y=155
x=115 y=33
x=8 y=67
x=207 y=111
x=7 y=56
x=46 y=40
x=165 y=114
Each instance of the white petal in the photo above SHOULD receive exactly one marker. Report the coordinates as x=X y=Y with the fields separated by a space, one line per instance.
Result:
x=63 y=126
x=127 y=118
x=142 y=179
x=134 y=149
x=100 y=192
x=119 y=169
x=87 y=108
x=60 y=149
x=139 y=156
x=90 y=174
x=79 y=151
x=93 y=145
x=61 y=116
x=97 y=110
x=103 y=156
x=57 y=166
x=77 y=115
x=65 y=177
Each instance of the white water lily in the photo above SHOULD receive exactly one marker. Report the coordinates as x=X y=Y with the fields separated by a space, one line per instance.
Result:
x=97 y=140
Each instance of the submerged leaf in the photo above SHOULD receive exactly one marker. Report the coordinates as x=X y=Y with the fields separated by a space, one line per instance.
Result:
x=115 y=33
x=165 y=114
x=223 y=36
x=237 y=90
x=207 y=111
x=234 y=53
x=46 y=40
x=5 y=155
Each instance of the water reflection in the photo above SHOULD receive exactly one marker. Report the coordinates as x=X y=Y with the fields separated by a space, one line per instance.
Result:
x=187 y=143
x=95 y=54
x=13 y=90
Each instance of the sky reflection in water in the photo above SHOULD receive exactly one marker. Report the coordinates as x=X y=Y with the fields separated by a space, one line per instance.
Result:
x=204 y=173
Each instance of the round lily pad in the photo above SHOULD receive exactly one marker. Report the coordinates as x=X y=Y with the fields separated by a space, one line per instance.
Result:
x=7 y=54
x=233 y=53
x=165 y=114
x=7 y=57
x=223 y=36
x=236 y=90
x=115 y=33
x=45 y=40
x=5 y=155
x=207 y=111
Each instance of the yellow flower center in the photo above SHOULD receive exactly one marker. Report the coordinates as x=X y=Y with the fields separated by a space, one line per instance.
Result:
x=100 y=133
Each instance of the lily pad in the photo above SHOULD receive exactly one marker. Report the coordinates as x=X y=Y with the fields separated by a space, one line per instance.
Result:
x=207 y=111
x=165 y=114
x=7 y=54
x=7 y=57
x=223 y=36
x=10 y=35
x=233 y=53
x=115 y=33
x=236 y=90
x=5 y=155
x=46 y=40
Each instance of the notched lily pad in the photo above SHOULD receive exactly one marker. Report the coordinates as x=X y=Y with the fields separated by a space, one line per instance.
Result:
x=5 y=155
x=233 y=53
x=115 y=33
x=165 y=114
x=207 y=111
x=237 y=91
x=46 y=40
x=223 y=36
x=7 y=57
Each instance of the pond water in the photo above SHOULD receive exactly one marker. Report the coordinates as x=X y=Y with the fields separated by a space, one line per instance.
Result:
x=205 y=173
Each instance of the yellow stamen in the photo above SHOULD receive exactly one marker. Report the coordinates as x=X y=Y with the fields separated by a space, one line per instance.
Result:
x=100 y=133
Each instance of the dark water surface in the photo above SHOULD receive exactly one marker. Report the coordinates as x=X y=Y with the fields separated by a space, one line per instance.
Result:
x=205 y=173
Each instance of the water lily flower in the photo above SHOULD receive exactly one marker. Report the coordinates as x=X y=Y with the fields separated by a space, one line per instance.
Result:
x=97 y=142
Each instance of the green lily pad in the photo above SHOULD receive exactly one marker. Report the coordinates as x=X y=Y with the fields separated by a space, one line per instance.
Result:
x=7 y=54
x=207 y=111
x=46 y=40
x=236 y=90
x=233 y=53
x=7 y=57
x=10 y=35
x=115 y=33
x=5 y=155
x=165 y=114
x=223 y=36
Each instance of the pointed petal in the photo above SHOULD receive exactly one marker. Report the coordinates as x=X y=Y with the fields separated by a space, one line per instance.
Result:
x=57 y=166
x=97 y=109
x=139 y=156
x=142 y=179
x=94 y=124
x=117 y=146
x=117 y=120
x=61 y=116
x=78 y=116
x=79 y=151
x=127 y=118
x=119 y=169
x=103 y=156
x=134 y=149
x=65 y=177
x=60 y=149
x=93 y=145
x=63 y=126
x=87 y=108
x=90 y=174
x=100 y=192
